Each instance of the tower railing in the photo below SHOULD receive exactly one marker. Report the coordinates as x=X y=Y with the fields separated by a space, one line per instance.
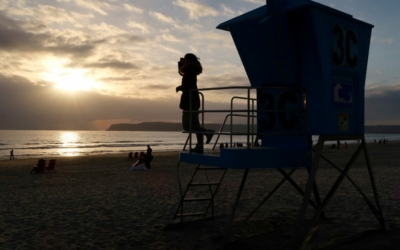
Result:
x=250 y=113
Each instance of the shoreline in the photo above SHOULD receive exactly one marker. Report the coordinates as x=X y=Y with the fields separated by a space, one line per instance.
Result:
x=6 y=158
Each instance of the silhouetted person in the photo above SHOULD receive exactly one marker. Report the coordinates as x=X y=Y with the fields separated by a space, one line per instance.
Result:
x=12 y=154
x=338 y=144
x=189 y=68
x=149 y=157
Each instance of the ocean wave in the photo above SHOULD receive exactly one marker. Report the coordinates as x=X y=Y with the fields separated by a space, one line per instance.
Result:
x=124 y=141
x=106 y=145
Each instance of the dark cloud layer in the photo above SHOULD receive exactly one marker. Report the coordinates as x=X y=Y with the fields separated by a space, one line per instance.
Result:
x=25 y=106
x=111 y=64
x=14 y=38
x=383 y=106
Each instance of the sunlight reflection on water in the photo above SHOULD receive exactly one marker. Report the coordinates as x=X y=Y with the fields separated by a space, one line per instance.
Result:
x=69 y=140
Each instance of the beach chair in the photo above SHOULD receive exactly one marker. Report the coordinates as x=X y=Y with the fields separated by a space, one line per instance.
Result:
x=40 y=167
x=52 y=166
x=129 y=156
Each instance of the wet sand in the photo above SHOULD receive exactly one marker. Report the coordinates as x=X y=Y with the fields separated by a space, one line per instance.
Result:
x=94 y=202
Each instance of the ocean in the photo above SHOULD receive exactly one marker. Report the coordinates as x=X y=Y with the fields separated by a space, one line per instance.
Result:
x=38 y=143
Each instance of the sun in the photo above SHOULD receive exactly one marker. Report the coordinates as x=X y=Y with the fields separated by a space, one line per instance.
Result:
x=69 y=79
x=74 y=80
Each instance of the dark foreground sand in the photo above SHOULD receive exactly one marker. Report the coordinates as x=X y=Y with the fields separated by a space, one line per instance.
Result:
x=94 y=202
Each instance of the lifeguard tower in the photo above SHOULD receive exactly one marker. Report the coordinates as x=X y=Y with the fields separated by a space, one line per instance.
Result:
x=307 y=64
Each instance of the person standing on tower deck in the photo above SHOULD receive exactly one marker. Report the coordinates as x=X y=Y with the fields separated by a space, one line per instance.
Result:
x=189 y=68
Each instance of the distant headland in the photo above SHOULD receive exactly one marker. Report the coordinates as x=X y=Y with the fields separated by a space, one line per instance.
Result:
x=168 y=126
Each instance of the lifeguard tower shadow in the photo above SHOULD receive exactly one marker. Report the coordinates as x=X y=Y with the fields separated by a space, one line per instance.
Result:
x=307 y=65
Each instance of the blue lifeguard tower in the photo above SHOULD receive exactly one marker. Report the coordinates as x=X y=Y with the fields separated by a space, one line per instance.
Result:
x=307 y=65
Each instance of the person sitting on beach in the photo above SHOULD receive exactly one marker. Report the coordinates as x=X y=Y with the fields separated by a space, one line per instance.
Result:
x=139 y=164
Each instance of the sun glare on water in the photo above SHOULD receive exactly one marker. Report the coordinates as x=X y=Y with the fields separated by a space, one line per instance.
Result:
x=69 y=143
x=69 y=79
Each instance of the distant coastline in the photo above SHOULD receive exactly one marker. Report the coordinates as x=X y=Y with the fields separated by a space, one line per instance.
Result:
x=168 y=126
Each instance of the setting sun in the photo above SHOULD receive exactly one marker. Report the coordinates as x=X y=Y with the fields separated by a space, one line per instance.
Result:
x=74 y=80
x=70 y=79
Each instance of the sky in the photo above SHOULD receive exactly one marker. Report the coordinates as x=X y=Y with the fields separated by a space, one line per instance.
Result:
x=87 y=64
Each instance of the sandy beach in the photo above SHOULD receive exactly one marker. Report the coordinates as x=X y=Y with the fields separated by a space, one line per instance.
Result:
x=94 y=202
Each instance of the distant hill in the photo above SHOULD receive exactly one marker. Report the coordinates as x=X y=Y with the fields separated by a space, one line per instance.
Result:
x=382 y=129
x=167 y=126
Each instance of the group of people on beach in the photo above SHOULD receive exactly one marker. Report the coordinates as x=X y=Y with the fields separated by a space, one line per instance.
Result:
x=143 y=160
x=384 y=141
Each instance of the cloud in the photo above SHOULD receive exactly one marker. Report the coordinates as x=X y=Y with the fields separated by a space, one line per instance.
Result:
x=41 y=106
x=170 y=38
x=115 y=79
x=13 y=37
x=44 y=107
x=49 y=15
x=188 y=28
x=213 y=35
x=162 y=17
x=381 y=104
x=133 y=8
x=107 y=29
x=16 y=39
x=227 y=11
x=144 y=28
x=195 y=9
x=95 y=5
x=174 y=51
x=47 y=108
x=256 y=1
x=106 y=63
x=383 y=40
